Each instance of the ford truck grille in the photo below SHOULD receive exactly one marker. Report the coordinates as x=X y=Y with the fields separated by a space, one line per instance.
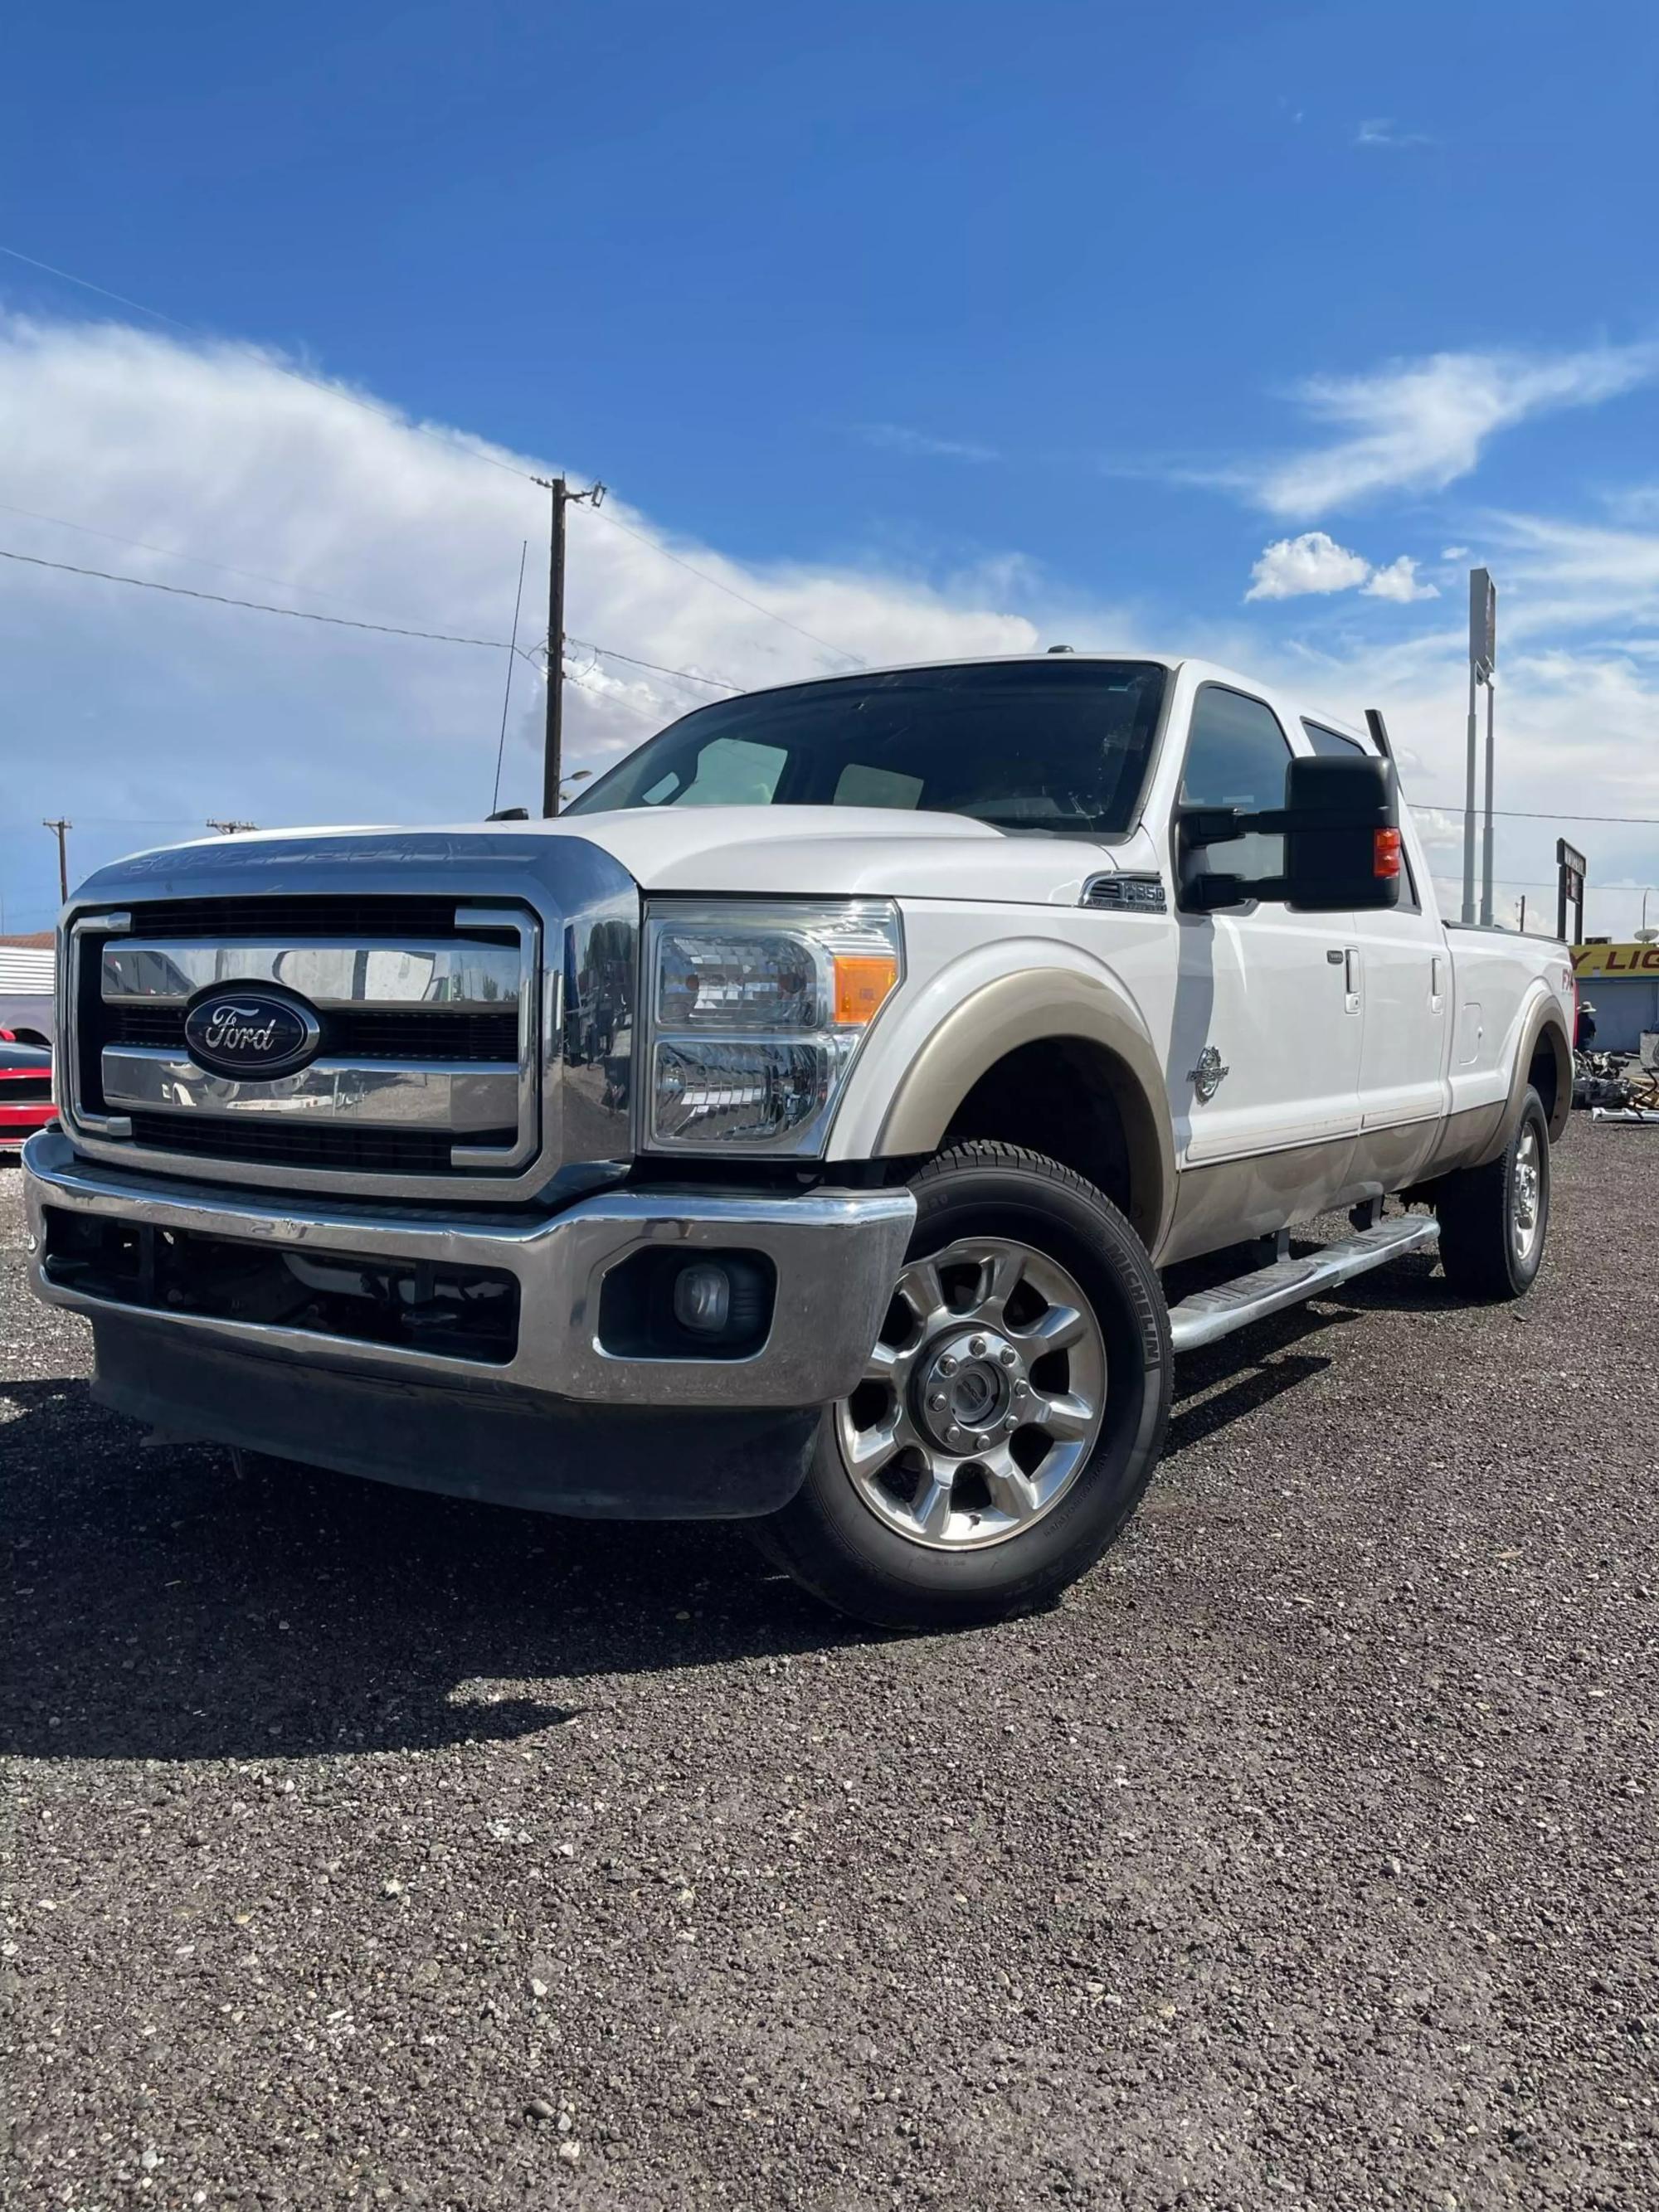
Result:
x=428 y=1011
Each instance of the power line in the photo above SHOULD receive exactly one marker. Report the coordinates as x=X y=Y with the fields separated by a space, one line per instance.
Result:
x=613 y=699
x=507 y=694
x=609 y=652
x=455 y=441
x=342 y=621
x=254 y=606
x=1548 y=814
x=731 y=590
x=167 y=552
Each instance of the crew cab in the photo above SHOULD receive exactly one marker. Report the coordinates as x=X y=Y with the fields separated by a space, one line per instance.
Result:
x=802 y=1127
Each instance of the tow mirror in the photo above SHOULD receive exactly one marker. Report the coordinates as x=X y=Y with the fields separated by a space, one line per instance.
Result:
x=1342 y=845
x=1340 y=823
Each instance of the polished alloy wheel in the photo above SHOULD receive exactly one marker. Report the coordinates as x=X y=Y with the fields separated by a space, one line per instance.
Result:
x=983 y=1400
x=1526 y=1192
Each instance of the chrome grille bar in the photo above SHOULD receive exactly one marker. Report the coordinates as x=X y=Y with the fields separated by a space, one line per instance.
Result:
x=394 y=1093
x=473 y=978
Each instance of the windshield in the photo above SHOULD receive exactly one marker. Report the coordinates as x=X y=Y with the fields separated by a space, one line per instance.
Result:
x=1048 y=745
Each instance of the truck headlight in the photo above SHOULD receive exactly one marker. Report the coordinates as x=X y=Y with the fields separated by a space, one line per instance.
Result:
x=756 y=1011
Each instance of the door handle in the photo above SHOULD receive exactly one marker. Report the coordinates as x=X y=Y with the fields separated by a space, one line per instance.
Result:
x=1350 y=971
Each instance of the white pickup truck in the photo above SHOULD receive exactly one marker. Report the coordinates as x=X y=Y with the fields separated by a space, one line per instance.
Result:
x=798 y=1128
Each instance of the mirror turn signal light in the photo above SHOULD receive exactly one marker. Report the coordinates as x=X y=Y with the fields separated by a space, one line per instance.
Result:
x=1385 y=852
x=863 y=982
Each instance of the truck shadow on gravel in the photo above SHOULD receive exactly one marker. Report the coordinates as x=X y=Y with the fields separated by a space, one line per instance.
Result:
x=160 y=1605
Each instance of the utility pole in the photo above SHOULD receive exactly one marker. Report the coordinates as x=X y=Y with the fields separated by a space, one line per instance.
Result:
x=229 y=828
x=61 y=829
x=553 y=738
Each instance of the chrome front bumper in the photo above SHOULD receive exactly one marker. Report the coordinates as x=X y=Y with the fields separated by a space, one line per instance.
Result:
x=837 y=1254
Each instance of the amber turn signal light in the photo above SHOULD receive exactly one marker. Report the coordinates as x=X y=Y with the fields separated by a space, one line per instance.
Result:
x=1385 y=852
x=863 y=981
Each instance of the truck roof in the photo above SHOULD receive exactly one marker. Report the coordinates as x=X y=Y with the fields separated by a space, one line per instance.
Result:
x=1207 y=672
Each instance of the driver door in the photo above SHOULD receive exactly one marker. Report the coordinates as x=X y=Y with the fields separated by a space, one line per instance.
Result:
x=1266 y=1039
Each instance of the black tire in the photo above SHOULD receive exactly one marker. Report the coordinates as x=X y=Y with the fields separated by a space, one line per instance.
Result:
x=830 y=1540
x=1480 y=1250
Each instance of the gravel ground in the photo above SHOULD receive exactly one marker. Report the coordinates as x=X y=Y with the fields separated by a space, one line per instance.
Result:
x=368 y=1848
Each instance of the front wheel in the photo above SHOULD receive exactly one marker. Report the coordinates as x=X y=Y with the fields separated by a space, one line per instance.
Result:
x=1494 y=1220
x=1011 y=1411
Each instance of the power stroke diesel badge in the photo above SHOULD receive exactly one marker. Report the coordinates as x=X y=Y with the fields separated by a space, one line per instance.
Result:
x=254 y=1034
x=1208 y=1075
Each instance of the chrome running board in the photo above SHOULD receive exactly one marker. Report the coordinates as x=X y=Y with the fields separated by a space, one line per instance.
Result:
x=1208 y=1315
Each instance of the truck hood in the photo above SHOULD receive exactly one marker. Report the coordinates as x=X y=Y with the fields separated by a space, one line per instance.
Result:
x=837 y=852
x=828 y=852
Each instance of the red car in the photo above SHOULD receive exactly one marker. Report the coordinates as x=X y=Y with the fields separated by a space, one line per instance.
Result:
x=25 y=1090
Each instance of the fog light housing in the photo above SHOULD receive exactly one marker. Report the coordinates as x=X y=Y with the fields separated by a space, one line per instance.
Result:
x=702 y=1299
x=663 y=1304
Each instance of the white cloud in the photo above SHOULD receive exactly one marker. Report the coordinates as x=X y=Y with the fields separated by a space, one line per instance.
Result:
x=161 y=710
x=1453 y=552
x=138 y=714
x=1293 y=568
x=1398 y=581
x=1313 y=562
x=1382 y=130
x=1420 y=425
x=897 y=438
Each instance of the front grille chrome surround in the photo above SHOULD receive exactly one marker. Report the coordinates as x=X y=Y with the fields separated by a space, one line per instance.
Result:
x=474 y=990
x=467 y=1111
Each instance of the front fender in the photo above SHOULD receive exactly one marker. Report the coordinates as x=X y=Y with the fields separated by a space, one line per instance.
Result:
x=972 y=1014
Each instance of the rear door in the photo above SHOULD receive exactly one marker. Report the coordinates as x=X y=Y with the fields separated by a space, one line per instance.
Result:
x=1404 y=979
x=1266 y=1032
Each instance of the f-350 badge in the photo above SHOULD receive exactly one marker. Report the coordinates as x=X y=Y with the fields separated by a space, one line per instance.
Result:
x=1207 y=1077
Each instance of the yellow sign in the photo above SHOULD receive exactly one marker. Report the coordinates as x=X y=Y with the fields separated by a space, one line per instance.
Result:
x=1615 y=960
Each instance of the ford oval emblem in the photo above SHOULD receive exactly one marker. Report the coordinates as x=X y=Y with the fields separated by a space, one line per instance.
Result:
x=253 y=1033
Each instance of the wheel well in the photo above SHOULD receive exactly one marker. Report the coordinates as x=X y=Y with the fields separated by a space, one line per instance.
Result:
x=1061 y=1096
x=1547 y=1071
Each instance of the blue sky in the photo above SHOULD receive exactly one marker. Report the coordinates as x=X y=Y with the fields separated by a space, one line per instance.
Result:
x=938 y=326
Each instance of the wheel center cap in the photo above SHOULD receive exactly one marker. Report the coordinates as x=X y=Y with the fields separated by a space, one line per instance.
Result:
x=966 y=1389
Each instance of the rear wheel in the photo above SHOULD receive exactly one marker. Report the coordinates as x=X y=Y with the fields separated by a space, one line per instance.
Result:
x=1494 y=1220
x=1011 y=1411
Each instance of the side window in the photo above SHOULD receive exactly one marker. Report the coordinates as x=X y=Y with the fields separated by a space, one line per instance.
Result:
x=1237 y=755
x=1327 y=742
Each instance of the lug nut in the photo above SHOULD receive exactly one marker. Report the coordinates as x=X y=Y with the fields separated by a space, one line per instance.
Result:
x=1007 y=1355
x=1010 y=1426
x=1022 y=1390
x=937 y=1401
x=956 y=1437
x=976 y=1345
x=948 y=1365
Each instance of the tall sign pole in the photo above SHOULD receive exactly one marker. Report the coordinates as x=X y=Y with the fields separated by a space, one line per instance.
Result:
x=1570 y=869
x=553 y=735
x=1483 y=664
